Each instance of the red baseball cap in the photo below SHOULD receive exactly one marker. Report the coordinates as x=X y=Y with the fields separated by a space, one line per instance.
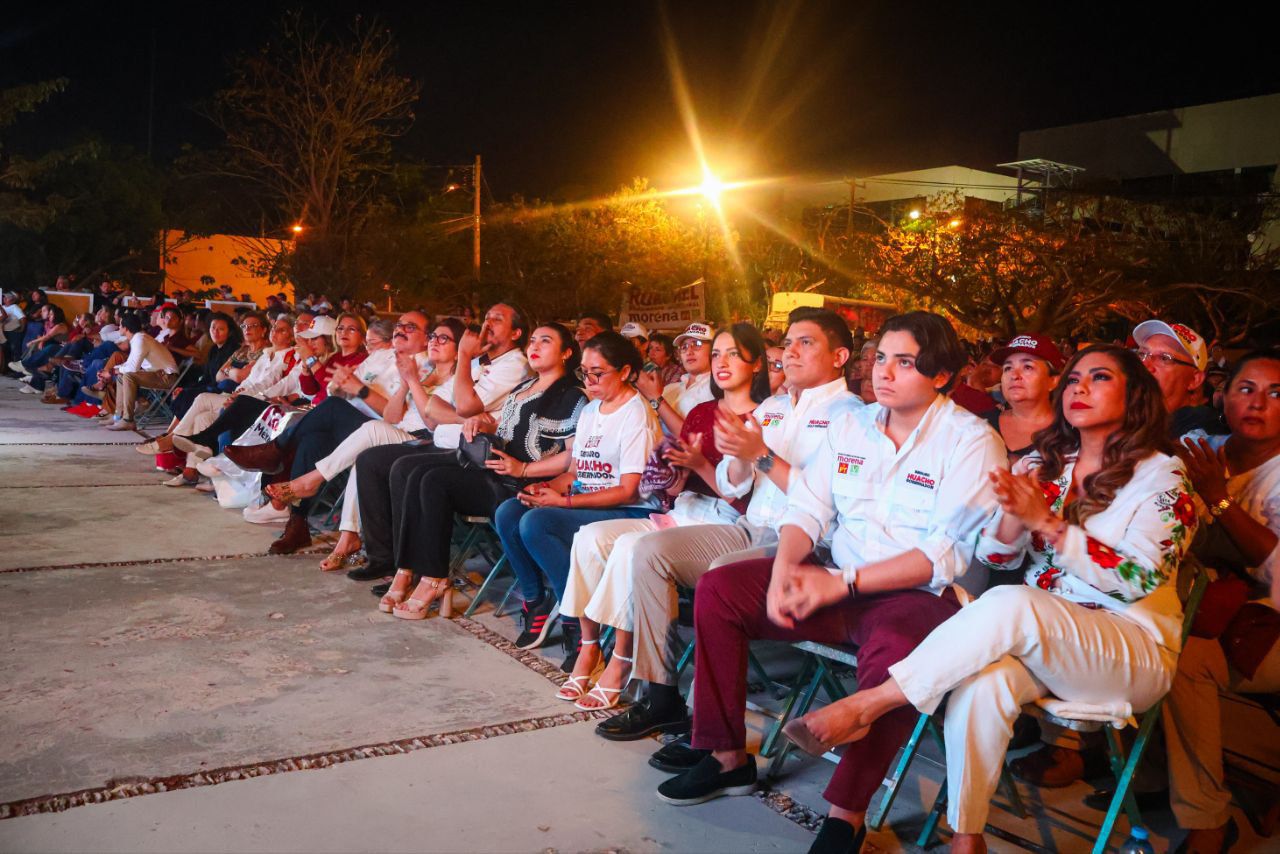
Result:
x=1040 y=346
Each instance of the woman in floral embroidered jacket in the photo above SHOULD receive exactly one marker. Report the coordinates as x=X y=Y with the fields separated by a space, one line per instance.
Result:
x=1103 y=515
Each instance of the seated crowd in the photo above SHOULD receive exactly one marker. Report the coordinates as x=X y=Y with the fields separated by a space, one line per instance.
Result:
x=991 y=528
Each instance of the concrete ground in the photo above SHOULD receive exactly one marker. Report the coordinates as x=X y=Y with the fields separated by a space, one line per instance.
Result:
x=165 y=686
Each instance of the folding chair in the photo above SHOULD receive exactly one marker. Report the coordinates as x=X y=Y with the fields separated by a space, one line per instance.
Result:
x=1122 y=767
x=326 y=509
x=819 y=669
x=477 y=534
x=158 y=411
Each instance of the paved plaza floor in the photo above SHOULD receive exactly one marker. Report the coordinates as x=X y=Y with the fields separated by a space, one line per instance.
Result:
x=166 y=686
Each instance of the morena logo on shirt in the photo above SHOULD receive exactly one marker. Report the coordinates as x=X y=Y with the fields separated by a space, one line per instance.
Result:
x=774 y=418
x=593 y=441
x=818 y=424
x=921 y=478
x=849 y=463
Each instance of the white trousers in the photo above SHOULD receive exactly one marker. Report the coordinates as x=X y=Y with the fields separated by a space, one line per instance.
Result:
x=204 y=410
x=350 y=506
x=368 y=435
x=599 y=585
x=1008 y=648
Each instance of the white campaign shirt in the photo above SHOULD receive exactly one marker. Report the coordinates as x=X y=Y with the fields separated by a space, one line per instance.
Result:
x=12 y=317
x=378 y=371
x=931 y=494
x=607 y=446
x=148 y=354
x=794 y=430
x=493 y=382
x=265 y=372
x=682 y=396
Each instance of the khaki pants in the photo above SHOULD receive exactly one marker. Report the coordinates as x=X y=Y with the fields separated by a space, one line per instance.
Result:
x=661 y=561
x=1193 y=729
x=127 y=386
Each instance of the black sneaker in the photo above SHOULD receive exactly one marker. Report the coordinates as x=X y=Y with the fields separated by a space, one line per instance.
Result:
x=677 y=756
x=641 y=720
x=706 y=782
x=380 y=590
x=571 y=640
x=536 y=623
x=837 y=836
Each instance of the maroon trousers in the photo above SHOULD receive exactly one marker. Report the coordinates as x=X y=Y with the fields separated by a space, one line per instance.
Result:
x=729 y=612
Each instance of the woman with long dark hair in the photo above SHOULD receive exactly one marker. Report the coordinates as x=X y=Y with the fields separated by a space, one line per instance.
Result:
x=537 y=421
x=598 y=592
x=1104 y=515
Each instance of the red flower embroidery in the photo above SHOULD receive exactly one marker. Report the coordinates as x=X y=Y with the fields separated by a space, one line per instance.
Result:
x=1103 y=555
x=1047 y=579
x=1000 y=558
x=1184 y=509
x=1051 y=490
x=1037 y=542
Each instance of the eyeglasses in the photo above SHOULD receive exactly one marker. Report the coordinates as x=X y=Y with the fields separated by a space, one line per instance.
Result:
x=410 y=327
x=592 y=377
x=775 y=365
x=692 y=344
x=247 y=326
x=1165 y=359
x=355 y=329
x=435 y=337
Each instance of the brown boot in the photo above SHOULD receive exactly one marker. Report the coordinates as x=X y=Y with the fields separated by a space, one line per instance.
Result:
x=265 y=458
x=297 y=535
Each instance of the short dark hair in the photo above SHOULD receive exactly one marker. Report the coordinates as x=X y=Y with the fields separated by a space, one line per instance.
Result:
x=940 y=348
x=519 y=320
x=664 y=341
x=599 y=317
x=567 y=342
x=131 y=323
x=456 y=327
x=752 y=346
x=832 y=325
x=617 y=351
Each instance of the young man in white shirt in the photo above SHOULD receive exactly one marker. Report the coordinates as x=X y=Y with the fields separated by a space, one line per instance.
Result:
x=763 y=456
x=903 y=486
x=150 y=365
x=672 y=402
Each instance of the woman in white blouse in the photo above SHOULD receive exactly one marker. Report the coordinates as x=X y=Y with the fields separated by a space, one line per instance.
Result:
x=1103 y=516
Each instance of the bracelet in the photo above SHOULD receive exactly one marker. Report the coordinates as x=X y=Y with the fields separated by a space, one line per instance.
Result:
x=1216 y=510
x=524 y=470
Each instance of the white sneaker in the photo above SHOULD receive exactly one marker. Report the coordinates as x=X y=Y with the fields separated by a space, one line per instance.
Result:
x=26 y=389
x=120 y=425
x=265 y=514
x=148 y=449
x=179 y=480
x=19 y=367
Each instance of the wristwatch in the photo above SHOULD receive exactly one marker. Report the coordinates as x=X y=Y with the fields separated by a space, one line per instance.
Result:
x=1217 y=509
x=655 y=404
x=363 y=392
x=764 y=462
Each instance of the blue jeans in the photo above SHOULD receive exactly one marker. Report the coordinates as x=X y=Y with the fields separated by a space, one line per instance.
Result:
x=538 y=540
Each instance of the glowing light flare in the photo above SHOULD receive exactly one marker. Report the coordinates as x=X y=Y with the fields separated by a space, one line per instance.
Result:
x=297 y=228
x=955 y=223
x=914 y=214
x=711 y=187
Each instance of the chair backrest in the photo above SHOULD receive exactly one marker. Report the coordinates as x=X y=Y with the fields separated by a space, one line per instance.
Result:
x=1198 y=584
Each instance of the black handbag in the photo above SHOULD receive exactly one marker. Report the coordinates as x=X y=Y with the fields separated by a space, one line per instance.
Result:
x=472 y=454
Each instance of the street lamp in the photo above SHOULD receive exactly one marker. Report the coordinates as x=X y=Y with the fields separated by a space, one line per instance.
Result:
x=297 y=228
x=711 y=187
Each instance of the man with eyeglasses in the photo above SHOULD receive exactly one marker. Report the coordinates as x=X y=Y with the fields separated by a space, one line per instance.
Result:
x=671 y=402
x=1178 y=357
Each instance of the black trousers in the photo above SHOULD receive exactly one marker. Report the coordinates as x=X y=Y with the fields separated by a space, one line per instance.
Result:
x=315 y=436
x=235 y=419
x=380 y=483
x=425 y=517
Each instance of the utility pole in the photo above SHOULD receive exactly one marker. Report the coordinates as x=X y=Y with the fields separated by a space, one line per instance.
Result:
x=475 y=223
x=853 y=198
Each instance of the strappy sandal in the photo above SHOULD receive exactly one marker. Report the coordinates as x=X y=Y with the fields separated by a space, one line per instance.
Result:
x=389 y=601
x=335 y=561
x=574 y=687
x=607 y=697
x=282 y=492
x=414 y=608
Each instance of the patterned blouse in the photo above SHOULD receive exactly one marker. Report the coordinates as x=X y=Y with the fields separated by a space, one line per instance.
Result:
x=541 y=424
x=1122 y=559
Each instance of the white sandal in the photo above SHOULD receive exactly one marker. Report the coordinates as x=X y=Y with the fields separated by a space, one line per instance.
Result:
x=573 y=688
x=608 y=697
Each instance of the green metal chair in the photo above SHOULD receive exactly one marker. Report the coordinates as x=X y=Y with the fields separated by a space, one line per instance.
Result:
x=820 y=669
x=1122 y=766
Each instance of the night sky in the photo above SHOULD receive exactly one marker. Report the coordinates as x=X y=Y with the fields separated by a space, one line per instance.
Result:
x=564 y=100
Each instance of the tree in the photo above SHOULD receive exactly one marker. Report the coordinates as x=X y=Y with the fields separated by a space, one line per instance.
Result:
x=310 y=119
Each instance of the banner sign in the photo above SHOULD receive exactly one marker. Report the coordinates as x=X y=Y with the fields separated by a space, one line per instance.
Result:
x=660 y=311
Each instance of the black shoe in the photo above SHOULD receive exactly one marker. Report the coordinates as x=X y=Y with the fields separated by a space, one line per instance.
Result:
x=380 y=590
x=571 y=640
x=1026 y=732
x=837 y=836
x=1100 y=799
x=536 y=623
x=677 y=756
x=706 y=782
x=369 y=572
x=641 y=720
